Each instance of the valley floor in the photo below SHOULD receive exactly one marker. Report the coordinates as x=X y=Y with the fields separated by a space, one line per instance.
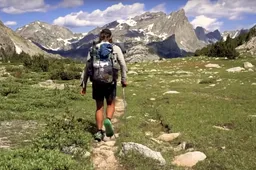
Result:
x=213 y=110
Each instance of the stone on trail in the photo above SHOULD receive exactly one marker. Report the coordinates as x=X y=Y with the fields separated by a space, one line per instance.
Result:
x=171 y=92
x=152 y=99
x=168 y=137
x=253 y=84
x=248 y=65
x=212 y=66
x=143 y=150
x=189 y=159
x=235 y=69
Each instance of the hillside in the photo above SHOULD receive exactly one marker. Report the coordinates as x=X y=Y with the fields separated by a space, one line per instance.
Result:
x=12 y=43
x=230 y=47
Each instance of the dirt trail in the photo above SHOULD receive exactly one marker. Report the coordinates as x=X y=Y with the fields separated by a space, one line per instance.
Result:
x=103 y=153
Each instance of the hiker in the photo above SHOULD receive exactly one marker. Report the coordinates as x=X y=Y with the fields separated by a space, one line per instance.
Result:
x=103 y=63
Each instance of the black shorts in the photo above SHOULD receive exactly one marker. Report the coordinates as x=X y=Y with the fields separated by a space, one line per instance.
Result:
x=99 y=92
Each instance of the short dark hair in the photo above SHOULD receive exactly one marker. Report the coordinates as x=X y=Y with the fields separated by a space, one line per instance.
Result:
x=105 y=34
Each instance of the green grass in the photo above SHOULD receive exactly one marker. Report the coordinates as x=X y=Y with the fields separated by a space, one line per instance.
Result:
x=64 y=117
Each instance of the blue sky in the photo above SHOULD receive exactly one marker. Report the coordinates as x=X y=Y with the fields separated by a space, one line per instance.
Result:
x=84 y=15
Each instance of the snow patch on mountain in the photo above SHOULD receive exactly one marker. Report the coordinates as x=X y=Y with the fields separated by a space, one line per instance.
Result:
x=150 y=27
x=129 y=22
x=18 y=49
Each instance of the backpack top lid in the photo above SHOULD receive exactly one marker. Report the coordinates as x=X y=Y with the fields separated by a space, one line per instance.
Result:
x=104 y=49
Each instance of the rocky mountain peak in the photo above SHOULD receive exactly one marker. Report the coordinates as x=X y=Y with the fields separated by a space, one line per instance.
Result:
x=207 y=36
x=180 y=15
x=49 y=36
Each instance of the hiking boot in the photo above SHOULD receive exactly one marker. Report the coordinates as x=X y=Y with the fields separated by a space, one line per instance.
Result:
x=109 y=128
x=99 y=136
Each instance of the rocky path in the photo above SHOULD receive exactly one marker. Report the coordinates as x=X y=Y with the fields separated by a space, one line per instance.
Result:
x=103 y=153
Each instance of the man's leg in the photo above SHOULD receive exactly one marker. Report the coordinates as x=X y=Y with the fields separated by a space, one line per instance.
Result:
x=110 y=97
x=99 y=113
x=110 y=108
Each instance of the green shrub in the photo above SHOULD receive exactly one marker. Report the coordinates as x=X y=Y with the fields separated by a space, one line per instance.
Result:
x=208 y=81
x=31 y=159
x=63 y=132
x=15 y=71
x=64 y=75
x=6 y=89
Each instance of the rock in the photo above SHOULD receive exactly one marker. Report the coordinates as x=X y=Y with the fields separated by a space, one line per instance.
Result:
x=143 y=150
x=252 y=116
x=248 y=65
x=157 y=141
x=130 y=117
x=168 y=137
x=49 y=84
x=251 y=70
x=221 y=128
x=181 y=72
x=5 y=143
x=171 y=92
x=235 y=69
x=152 y=99
x=180 y=147
x=253 y=84
x=149 y=133
x=212 y=66
x=212 y=85
x=132 y=72
x=189 y=159
x=73 y=150
x=152 y=120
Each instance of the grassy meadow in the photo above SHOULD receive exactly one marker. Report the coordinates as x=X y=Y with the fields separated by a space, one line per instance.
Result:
x=37 y=123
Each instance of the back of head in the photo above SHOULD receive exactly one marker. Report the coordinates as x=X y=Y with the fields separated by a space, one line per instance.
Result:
x=105 y=35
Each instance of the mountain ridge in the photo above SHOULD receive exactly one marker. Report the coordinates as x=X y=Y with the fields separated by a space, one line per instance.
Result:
x=146 y=29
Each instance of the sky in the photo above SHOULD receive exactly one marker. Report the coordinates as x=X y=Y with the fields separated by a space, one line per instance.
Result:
x=81 y=16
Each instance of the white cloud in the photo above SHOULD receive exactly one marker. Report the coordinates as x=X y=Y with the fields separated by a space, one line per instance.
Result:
x=160 y=7
x=210 y=24
x=22 y=6
x=71 y=3
x=10 y=23
x=231 y=9
x=99 y=17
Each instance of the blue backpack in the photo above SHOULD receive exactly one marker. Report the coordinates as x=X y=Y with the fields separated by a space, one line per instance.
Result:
x=102 y=66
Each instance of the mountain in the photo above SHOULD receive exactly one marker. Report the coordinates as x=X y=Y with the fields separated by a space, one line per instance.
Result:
x=50 y=37
x=233 y=34
x=11 y=42
x=149 y=29
x=206 y=36
x=249 y=46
